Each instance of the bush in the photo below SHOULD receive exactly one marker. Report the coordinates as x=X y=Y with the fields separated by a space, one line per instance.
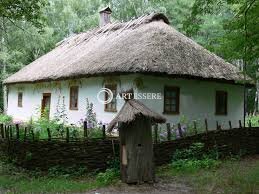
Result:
x=108 y=177
x=195 y=157
x=75 y=171
x=5 y=119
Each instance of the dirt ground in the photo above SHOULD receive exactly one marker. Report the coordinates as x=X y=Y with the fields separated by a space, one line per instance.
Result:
x=161 y=187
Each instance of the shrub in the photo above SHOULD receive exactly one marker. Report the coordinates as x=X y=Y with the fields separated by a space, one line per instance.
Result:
x=195 y=157
x=74 y=171
x=5 y=119
x=107 y=177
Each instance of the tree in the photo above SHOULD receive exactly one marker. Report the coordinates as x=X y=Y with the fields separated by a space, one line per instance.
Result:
x=26 y=10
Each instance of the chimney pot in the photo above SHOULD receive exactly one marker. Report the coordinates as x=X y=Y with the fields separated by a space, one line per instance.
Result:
x=105 y=14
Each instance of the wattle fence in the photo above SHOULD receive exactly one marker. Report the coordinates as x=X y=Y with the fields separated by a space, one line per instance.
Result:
x=93 y=153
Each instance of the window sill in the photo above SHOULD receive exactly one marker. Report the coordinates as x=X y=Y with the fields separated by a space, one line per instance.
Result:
x=107 y=110
x=221 y=114
x=73 y=108
x=171 y=113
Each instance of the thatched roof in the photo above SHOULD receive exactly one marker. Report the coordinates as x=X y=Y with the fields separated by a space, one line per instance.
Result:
x=131 y=110
x=147 y=45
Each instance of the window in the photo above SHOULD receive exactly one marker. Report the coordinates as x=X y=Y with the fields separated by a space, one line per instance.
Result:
x=111 y=107
x=221 y=102
x=73 y=105
x=20 y=99
x=171 y=100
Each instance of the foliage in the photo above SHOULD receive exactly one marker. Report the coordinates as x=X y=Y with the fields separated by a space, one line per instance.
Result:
x=5 y=119
x=90 y=116
x=27 y=10
x=108 y=177
x=231 y=176
x=72 y=171
x=195 y=157
x=95 y=132
x=61 y=114
x=253 y=119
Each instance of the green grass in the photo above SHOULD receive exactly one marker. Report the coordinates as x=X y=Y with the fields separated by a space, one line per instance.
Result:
x=231 y=176
x=13 y=180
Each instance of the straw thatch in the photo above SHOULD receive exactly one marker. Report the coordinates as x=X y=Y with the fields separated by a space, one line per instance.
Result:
x=133 y=109
x=147 y=45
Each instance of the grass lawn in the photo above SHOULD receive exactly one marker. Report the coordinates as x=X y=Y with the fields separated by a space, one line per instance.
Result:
x=231 y=176
x=13 y=180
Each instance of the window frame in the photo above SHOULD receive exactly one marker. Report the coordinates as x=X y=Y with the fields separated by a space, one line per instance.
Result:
x=111 y=87
x=20 y=99
x=70 y=97
x=217 y=108
x=177 y=90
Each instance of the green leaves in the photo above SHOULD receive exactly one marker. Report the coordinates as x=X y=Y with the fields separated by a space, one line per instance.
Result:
x=28 y=10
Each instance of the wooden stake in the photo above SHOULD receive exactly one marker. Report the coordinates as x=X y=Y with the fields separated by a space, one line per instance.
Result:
x=206 y=126
x=85 y=129
x=49 y=134
x=6 y=132
x=230 y=125
x=155 y=131
x=195 y=127
x=11 y=132
x=249 y=124
x=17 y=131
x=67 y=136
x=104 y=134
x=240 y=124
x=2 y=130
x=180 y=130
x=25 y=133
x=168 y=131
x=32 y=134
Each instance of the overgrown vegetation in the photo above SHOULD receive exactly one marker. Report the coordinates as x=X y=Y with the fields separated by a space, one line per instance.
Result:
x=5 y=119
x=194 y=158
x=230 y=176
x=56 y=180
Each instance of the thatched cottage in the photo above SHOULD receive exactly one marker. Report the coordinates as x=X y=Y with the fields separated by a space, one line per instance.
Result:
x=145 y=54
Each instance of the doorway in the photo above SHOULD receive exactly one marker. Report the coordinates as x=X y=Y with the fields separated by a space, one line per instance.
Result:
x=45 y=105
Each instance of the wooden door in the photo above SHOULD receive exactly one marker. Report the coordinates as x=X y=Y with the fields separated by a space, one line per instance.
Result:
x=45 y=104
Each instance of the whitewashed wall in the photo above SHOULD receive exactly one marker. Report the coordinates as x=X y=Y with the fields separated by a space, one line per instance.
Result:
x=197 y=98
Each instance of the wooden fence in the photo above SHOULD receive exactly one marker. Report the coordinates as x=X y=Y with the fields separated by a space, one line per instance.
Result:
x=95 y=153
x=178 y=129
x=20 y=132
x=170 y=132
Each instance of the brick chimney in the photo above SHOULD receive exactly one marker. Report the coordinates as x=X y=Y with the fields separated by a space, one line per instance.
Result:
x=105 y=14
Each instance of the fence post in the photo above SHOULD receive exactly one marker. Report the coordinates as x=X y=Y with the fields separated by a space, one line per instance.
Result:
x=104 y=134
x=11 y=132
x=218 y=125
x=6 y=132
x=180 y=130
x=168 y=131
x=85 y=129
x=49 y=134
x=240 y=124
x=17 y=131
x=67 y=136
x=206 y=126
x=195 y=127
x=2 y=130
x=32 y=133
x=230 y=124
x=249 y=124
x=155 y=131
x=25 y=133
